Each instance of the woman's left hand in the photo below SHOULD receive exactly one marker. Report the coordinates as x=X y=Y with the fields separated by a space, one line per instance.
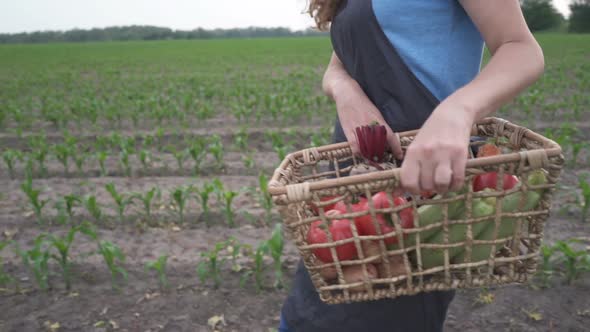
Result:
x=437 y=157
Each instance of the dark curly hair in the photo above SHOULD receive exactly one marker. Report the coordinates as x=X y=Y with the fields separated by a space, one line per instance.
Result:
x=323 y=12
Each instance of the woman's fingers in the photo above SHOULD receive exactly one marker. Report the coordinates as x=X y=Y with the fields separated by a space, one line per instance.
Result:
x=395 y=144
x=458 y=168
x=443 y=176
x=410 y=174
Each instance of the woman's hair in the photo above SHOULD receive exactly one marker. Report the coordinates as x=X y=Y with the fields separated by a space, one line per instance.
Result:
x=323 y=12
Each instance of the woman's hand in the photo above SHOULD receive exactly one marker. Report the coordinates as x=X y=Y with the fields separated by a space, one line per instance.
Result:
x=354 y=107
x=437 y=157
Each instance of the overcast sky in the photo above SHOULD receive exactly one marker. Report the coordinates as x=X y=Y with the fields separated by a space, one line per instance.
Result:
x=34 y=15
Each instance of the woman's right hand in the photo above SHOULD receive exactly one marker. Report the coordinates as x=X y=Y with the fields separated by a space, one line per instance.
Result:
x=354 y=107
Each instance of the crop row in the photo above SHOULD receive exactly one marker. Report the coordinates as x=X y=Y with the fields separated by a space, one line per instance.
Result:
x=50 y=252
x=212 y=194
x=195 y=148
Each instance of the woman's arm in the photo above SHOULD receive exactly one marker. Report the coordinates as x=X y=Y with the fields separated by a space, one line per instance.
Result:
x=436 y=159
x=353 y=105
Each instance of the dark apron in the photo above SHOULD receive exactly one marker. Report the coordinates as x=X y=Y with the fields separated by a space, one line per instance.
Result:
x=369 y=57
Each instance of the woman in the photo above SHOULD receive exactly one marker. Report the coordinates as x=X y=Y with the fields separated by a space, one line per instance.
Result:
x=408 y=65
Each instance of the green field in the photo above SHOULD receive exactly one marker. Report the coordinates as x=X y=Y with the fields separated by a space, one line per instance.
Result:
x=150 y=151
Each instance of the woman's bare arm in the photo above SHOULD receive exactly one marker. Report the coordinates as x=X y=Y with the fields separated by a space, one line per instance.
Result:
x=436 y=159
x=353 y=105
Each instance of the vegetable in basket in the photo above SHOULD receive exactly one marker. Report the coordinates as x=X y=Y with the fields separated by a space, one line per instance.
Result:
x=340 y=229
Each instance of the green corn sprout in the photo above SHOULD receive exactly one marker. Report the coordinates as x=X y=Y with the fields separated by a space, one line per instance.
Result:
x=145 y=158
x=248 y=160
x=60 y=207
x=241 y=139
x=276 y=245
x=281 y=152
x=71 y=202
x=216 y=149
x=79 y=160
x=203 y=195
x=101 y=156
x=62 y=245
x=546 y=270
x=40 y=150
x=159 y=265
x=234 y=247
x=62 y=154
x=93 y=208
x=113 y=257
x=121 y=200
x=585 y=186
x=5 y=278
x=218 y=188
x=180 y=197
x=265 y=199
x=33 y=195
x=10 y=157
x=198 y=152
x=258 y=270
x=37 y=260
x=210 y=266
x=577 y=147
x=179 y=155
x=575 y=261
x=147 y=200
x=124 y=161
x=228 y=197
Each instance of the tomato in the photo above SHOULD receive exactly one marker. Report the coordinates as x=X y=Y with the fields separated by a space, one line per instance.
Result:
x=340 y=230
x=427 y=194
x=365 y=223
x=328 y=207
x=488 y=180
x=406 y=215
x=356 y=207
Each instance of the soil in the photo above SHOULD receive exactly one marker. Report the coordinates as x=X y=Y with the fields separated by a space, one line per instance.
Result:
x=189 y=304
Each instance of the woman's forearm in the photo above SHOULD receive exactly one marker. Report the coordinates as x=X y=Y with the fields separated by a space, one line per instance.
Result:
x=513 y=67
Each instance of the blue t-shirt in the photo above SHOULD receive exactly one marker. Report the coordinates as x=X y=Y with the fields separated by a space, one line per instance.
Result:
x=441 y=46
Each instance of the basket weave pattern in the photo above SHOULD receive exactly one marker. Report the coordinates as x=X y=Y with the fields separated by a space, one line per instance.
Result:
x=305 y=177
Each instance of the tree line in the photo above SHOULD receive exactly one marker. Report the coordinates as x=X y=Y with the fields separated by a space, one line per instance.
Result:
x=541 y=15
x=146 y=32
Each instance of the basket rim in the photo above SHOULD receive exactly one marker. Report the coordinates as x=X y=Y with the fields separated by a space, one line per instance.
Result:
x=275 y=188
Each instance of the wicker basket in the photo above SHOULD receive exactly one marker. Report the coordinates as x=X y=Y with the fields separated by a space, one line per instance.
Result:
x=307 y=176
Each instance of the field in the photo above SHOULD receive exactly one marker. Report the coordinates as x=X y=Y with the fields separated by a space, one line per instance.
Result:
x=131 y=185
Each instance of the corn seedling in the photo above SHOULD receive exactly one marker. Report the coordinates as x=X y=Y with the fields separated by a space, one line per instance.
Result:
x=40 y=150
x=577 y=147
x=180 y=197
x=585 y=187
x=210 y=266
x=147 y=200
x=62 y=245
x=248 y=160
x=228 y=198
x=198 y=152
x=159 y=265
x=234 y=248
x=124 y=161
x=33 y=195
x=93 y=208
x=121 y=200
x=257 y=272
x=575 y=261
x=10 y=157
x=71 y=201
x=145 y=157
x=546 y=271
x=79 y=160
x=203 y=196
x=113 y=257
x=37 y=260
x=241 y=139
x=101 y=156
x=62 y=216
x=179 y=155
x=5 y=278
x=275 y=246
x=216 y=149
x=265 y=199
x=62 y=154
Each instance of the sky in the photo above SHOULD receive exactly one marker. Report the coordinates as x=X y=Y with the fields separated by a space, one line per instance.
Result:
x=35 y=15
